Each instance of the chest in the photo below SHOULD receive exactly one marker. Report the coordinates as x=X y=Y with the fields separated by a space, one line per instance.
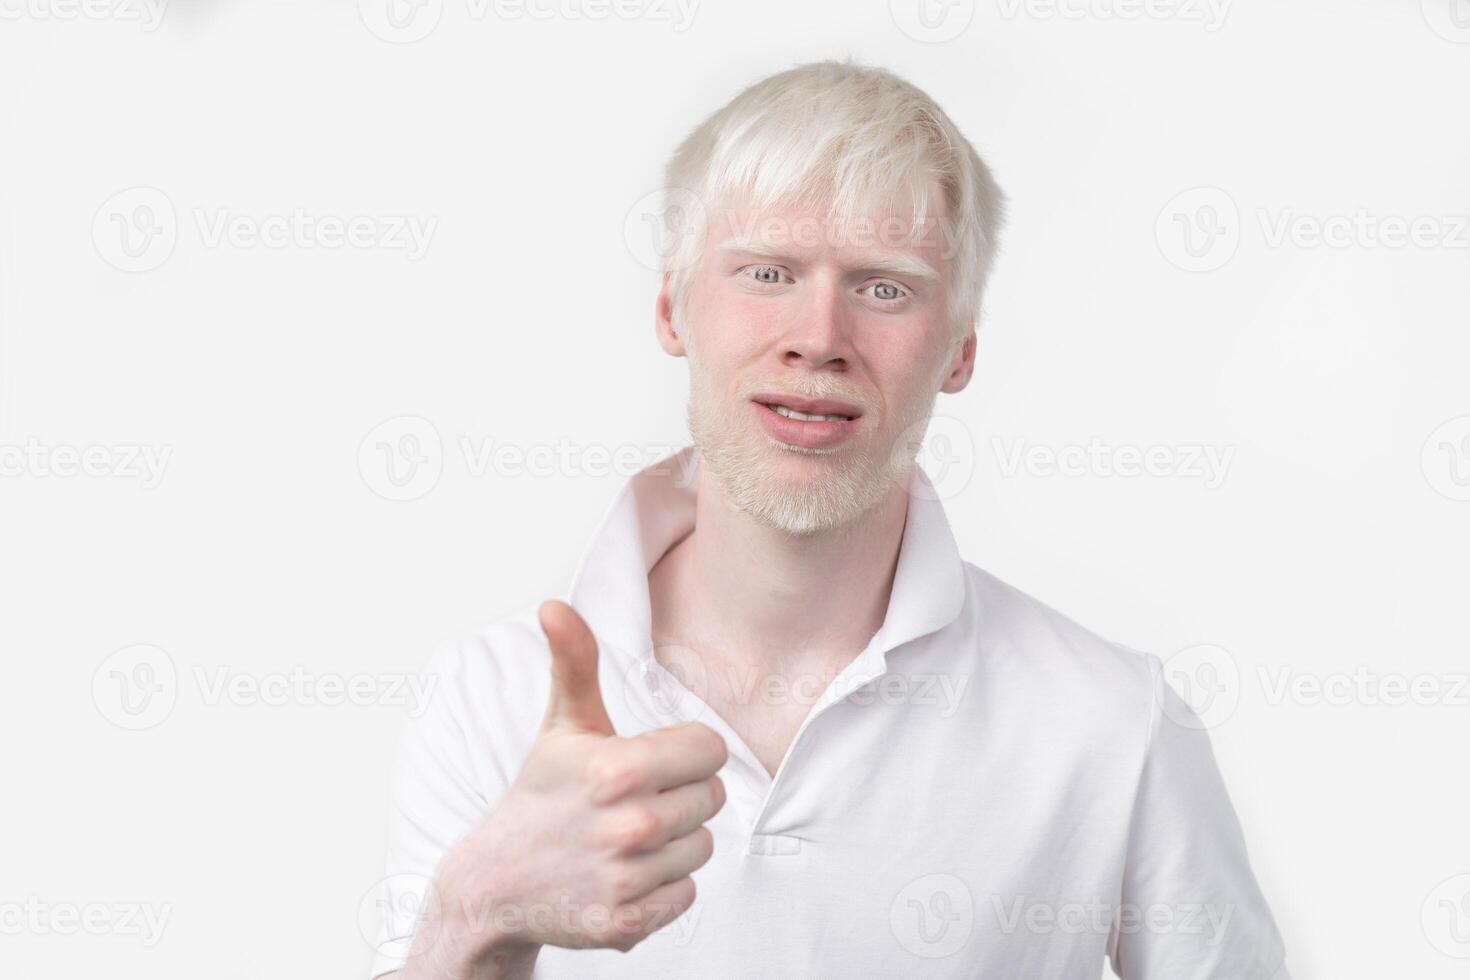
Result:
x=766 y=708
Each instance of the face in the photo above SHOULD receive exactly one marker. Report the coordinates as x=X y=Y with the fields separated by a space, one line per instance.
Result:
x=815 y=356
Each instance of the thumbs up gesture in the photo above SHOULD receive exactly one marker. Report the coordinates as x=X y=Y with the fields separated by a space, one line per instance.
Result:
x=594 y=843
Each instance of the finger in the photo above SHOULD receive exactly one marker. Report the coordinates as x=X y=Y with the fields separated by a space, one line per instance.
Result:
x=681 y=754
x=576 y=697
x=679 y=857
x=683 y=809
x=659 y=907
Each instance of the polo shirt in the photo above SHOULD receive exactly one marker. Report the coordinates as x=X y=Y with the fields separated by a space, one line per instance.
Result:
x=987 y=790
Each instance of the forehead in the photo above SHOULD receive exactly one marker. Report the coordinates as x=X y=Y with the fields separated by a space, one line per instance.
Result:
x=894 y=235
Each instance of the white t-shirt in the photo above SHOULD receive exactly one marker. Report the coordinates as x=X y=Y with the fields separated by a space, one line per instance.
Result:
x=988 y=790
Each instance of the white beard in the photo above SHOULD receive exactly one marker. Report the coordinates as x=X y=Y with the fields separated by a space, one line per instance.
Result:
x=746 y=461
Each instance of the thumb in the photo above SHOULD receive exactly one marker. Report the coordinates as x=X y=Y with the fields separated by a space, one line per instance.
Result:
x=576 y=697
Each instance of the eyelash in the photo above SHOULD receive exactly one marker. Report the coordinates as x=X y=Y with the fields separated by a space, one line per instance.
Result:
x=906 y=294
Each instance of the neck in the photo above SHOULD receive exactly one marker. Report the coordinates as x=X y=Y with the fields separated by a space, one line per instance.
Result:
x=761 y=596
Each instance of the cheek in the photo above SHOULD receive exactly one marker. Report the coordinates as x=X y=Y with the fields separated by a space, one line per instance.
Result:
x=736 y=327
x=901 y=353
x=906 y=368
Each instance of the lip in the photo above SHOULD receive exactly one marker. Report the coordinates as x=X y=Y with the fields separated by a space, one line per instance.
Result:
x=808 y=406
x=807 y=435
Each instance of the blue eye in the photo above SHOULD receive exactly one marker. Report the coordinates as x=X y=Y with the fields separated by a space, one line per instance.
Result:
x=768 y=271
x=888 y=292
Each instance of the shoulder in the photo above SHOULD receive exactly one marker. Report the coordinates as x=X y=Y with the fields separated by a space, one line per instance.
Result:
x=487 y=687
x=503 y=656
x=1036 y=648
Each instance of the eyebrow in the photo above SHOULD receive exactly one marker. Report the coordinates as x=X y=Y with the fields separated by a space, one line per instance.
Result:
x=898 y=264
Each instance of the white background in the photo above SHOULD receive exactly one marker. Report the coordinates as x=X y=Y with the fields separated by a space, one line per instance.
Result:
x=1333 y=547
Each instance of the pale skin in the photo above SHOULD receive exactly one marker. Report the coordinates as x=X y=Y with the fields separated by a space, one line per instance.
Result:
x=618 y=823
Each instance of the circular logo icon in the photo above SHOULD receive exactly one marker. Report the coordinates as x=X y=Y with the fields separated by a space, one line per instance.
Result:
x=1446 y=917
x=401 y=21
x=402 y=458
x=392 y=912
x=135 y=230
x=932 y=21
x=1207 y=679
x=944 y=449
x=1445 y=459
x=1450 y=19
x=136 y=687
x=932 y=916
x=657 y=695
x=658 y=222
x=1199 y=230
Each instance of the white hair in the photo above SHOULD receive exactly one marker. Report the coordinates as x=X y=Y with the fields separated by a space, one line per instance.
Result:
x=847 y=136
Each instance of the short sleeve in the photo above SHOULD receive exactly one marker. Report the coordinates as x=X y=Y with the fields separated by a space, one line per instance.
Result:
x=1191 y=908
x=441 y=789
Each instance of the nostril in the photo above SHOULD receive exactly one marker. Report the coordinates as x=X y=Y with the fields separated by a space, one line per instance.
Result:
x=794 y=357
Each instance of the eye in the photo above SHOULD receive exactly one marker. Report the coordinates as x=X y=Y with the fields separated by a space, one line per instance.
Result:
x=766 y=274
x=888 y=292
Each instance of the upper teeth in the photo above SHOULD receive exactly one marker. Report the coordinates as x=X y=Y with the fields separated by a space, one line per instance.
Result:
x=792 y=413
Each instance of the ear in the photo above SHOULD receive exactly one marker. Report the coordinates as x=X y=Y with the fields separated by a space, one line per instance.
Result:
x=961 y=366
x=663 y=321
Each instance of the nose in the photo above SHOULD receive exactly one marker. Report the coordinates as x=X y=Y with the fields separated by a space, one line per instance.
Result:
x=820 y=338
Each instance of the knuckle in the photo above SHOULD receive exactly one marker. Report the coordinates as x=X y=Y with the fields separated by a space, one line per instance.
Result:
x=620 y=884
x=613 y=775
x=634 y=827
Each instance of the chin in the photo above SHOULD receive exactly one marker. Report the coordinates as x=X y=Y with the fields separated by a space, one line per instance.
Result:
x=799 y=454
x=793 y=489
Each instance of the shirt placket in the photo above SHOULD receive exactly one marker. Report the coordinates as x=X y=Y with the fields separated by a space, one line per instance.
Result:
x=755 y=791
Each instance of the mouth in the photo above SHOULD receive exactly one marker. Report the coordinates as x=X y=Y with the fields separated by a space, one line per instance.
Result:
x=806 y=423
x=808 y=409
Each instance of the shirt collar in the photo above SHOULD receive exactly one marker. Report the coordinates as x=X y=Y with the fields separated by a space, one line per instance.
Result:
x=656 y=508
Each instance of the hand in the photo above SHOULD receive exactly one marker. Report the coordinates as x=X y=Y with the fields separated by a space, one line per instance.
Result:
x=594 y=842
